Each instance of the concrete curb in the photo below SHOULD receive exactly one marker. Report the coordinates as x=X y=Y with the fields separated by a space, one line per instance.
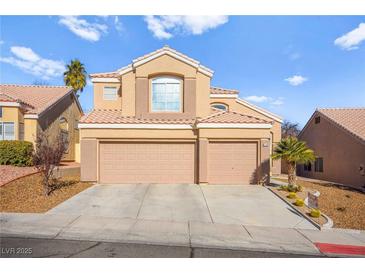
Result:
x=296 y=210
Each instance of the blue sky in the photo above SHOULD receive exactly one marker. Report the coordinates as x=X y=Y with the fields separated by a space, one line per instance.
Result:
x=288 y=64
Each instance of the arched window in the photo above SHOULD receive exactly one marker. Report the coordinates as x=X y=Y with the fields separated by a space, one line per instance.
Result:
x=219 y=106
x=166 y=94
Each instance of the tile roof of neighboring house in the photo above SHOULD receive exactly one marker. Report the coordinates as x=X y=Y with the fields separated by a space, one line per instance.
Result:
x=35 y=99
x=350 y=119
x=114 y=116
x=232 y=117
x=216 y=90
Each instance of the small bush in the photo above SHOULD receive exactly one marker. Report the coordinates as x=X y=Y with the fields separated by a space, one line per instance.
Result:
x=283 y=187
x=16 y=153
x=292 y=195
x=299 y=202
x=294 y=188
x=315 y=213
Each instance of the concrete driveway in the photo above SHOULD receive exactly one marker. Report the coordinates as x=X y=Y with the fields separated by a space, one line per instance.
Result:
x=222 y=204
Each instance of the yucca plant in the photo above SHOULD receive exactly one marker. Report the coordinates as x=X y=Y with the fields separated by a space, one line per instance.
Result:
x=293 y=151
x=75 y=75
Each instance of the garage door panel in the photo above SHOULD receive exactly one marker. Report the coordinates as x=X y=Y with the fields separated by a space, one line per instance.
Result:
x=147 y=162
x=232 y=162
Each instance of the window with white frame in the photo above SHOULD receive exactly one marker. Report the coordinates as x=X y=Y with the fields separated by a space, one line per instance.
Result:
x=219 y=106
x=166 y=94
x=7 y=131
x=110 y=93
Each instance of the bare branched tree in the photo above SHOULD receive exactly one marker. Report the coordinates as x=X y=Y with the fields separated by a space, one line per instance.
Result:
x=47 y=157
x=289 y=129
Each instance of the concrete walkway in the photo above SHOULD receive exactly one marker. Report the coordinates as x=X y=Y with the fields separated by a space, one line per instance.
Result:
x=224 y=204
x=190 y=233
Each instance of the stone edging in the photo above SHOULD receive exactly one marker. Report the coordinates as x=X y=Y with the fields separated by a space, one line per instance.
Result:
x=329 y=223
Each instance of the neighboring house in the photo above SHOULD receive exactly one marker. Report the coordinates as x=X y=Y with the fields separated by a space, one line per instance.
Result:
x=158 y=120
x=26 y=110
x=337 y=137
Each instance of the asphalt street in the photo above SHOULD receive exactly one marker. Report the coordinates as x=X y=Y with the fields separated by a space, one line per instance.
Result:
x=47 y=248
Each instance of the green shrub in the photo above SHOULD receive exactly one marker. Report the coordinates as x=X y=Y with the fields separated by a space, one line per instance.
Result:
x=315 y=213
x=294 y=188
x=292 y=195
x=299 y=202
x=283 y=187
x=16 y=153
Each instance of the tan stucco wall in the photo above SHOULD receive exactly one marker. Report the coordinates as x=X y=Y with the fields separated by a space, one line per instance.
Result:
x=30 y=130
x=202 y=95
x=100 y=103
x=50 y=122
x=12 y=114
x=165 y=64
x=342 y=154
x=129 y=94
x=88 y=157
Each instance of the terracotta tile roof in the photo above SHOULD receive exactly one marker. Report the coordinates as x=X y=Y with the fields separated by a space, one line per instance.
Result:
x=113 y=74
x=114 y=116
x=233 y=117
x=35 y=99
x=350 y=119
x=6 y=98
x=216 y=90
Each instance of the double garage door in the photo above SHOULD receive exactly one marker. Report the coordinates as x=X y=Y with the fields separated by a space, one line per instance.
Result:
x=228 y=163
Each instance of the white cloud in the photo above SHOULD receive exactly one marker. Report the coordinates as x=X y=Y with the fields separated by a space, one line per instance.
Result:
x=30 y=62
x=296 y=80
x=261 y=99
x=1 y=42
x=165 y=27
x=118 y=24
x=257 y=99
x=352 y=39
x=82 y=28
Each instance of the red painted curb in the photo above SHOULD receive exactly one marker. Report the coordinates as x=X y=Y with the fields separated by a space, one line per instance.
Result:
x=341 y=249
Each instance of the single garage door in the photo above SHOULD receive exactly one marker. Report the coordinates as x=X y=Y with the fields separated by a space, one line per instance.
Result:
x=232 y=163
x=147 y=163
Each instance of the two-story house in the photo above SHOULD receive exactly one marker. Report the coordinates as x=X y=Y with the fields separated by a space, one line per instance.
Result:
x=26 y=110
x=158 y=120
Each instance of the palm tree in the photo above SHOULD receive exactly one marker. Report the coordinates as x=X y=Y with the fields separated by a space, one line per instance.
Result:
x=293 y=151
x=75 y=75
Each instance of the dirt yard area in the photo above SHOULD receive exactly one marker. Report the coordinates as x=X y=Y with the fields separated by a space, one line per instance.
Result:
x=345 y=206
x=26 y=194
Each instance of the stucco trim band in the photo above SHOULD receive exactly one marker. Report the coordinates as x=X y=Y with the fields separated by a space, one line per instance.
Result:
x=232 y=125
x=143 y=126
x=9 y=104
x=105 y=80
x=223 y=96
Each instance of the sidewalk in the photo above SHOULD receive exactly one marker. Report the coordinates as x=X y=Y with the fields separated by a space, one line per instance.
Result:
x=191 y=234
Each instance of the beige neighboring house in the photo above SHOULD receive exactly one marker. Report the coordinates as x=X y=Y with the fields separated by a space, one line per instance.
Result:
x=26 y=110
x=337 y=137
x=159 y=120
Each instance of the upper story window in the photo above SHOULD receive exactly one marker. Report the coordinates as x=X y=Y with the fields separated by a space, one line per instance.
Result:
x=317 y=120
x=219 y=106
x=110 y=93
x=166 y=94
